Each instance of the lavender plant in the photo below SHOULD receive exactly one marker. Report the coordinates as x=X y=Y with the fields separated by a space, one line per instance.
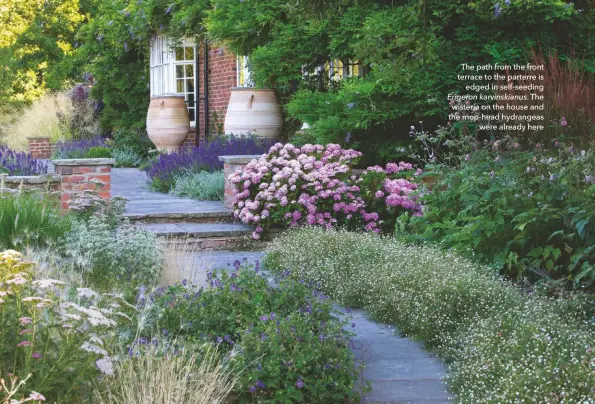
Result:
x=20 y=163
x=162 y=171
x=75 y=149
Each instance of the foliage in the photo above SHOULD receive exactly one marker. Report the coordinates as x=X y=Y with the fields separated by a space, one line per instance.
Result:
x=61 y=342
x=37 y=45
x=500 y=342
x=131 y=140
x=115 y=48
x=288 y=338
x=30 y=220
x=108 y=256
x=527 y=213
x=315 y=185
x=20 y=163
x=409 y=52
x=204 y=186
x=162 y=171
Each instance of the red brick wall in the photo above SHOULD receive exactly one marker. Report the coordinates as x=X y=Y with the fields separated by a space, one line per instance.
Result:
x=40 y=147
x=222 y=77
x=76 y=179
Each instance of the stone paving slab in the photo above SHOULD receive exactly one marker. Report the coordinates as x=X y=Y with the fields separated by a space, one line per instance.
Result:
x=130 y=183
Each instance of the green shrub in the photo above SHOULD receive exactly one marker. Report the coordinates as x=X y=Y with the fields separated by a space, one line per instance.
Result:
x=98 y=152
x=291 y=343
x=528 y=214
x=30 y=219
x=499 y=341
x=109 y=257
x=203 y=185
x=127 y=157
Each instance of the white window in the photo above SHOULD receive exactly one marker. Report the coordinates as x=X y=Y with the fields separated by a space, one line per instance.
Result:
x=244 y=77
x=173 y=71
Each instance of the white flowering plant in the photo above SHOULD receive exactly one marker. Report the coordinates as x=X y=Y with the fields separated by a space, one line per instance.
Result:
x=108 y=256
x=62 y=342
x=315 y=185
x=502 y=344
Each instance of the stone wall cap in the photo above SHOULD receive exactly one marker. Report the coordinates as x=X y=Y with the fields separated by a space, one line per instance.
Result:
x=31 y=179
x=240 y=159
x=84 y=162
x=38 y=138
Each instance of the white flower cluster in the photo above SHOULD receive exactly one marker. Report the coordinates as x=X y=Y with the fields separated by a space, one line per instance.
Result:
x=504 y=346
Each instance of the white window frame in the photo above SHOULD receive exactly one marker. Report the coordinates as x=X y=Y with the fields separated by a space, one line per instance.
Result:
x=164 y=67
x=244 y=77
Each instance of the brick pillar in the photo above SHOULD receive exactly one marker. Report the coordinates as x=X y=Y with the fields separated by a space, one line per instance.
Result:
x=40 y=147
x=231 y=164
x=79 y=175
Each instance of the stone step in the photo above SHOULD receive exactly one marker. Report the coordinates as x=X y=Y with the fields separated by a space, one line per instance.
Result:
x=204 y=236
x=164 y=216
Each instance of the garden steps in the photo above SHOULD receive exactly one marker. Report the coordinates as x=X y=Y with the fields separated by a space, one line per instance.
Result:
x=203 y=236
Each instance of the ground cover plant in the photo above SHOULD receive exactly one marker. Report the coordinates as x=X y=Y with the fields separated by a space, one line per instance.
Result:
x=20 y=163
x=108 y=253
x=287 y=340
x=30 y=219
x=204 y=185
x=315 y=184
x=162 y=171
x=501 y=343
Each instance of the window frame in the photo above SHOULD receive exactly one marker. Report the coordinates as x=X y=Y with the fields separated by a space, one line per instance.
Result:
x=163 y=66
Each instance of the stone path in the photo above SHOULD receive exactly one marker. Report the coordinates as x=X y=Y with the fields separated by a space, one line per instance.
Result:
x=398 y=369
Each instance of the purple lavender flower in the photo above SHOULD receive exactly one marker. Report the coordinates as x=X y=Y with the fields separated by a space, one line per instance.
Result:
x=20 y=163
x=73 y=149
x=253 y=389
x=204 y=157
x=299 y=384
x=497 y=10
x=219 y=340
x=264 y=318
x=260 y=384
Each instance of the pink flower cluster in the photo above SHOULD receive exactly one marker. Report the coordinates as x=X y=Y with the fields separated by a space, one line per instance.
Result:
x=312 y=185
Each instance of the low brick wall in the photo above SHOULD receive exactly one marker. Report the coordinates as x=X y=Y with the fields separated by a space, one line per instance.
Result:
x=40 y=147
x=231 y=164
x=30 y=182
x=79 y=175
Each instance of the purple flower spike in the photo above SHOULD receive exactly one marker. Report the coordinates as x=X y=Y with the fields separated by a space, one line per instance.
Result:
x=299 y=384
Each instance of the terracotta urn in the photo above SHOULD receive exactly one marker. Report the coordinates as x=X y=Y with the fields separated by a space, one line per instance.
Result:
x=253 y=111
x=168 y=123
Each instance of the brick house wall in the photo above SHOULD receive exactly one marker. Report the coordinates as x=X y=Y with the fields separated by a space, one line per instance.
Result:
x=222 y=76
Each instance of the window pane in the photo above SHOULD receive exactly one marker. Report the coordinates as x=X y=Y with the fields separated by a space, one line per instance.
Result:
x=190 y=85
x=179 y=72
x=189 y=71
x=180 y=86
x=191 y=114
x=179 y=53
x=189 y=53
x=190 y=98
